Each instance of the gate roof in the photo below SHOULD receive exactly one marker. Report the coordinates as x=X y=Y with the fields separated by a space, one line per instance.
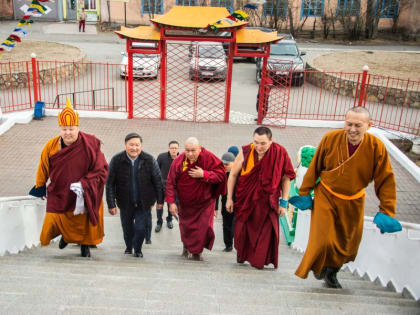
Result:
x=196 y=17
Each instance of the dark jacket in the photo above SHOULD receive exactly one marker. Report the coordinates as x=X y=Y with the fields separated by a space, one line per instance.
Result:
x=148 y=178
x=164 y=161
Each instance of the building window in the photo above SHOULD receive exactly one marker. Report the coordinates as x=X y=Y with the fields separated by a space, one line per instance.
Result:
x=312 y=8
x=228 y=4
x=152 y=6
x=273 y=6
x=387 y=8
x=186 y=2
x=90 y=4
x=348 y=7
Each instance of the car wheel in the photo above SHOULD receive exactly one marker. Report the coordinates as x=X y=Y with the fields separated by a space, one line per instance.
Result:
x=258 y=76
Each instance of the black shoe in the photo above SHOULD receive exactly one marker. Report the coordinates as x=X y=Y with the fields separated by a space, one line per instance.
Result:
x=331 y=278
x=239 y=261
x=148 y=242
x=62 y=243
x=85 y=251
x=228 y=249
x=170 y=225
x=138 y=254
x=158 y=228
x=321 y=275
x=128 y=251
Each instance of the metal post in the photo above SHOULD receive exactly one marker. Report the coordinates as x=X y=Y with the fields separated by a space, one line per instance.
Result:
x=262 y=89
x=130 y=85
x=34 y=77
x=229 y=77
x=163 y=80
x=363 y=85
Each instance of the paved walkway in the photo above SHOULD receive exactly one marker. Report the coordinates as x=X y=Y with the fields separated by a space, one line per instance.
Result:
x=21 y=146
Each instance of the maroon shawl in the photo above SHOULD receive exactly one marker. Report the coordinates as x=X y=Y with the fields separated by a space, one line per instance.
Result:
x=196 y=198
x=257 y=196
x=81 y=161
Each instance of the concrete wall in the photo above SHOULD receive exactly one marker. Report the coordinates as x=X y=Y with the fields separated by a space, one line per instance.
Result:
x=6 y=9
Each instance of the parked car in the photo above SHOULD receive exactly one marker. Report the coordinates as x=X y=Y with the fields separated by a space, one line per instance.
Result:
x=284 y=56
x=208 y=61
x=144 y=65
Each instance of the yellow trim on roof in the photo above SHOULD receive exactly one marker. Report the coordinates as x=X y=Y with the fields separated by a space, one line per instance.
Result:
x=140 y=32
x=196 y=17
x=245 y=36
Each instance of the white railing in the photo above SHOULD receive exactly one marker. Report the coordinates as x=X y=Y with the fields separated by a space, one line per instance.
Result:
x=20 y=223
x=393 y=259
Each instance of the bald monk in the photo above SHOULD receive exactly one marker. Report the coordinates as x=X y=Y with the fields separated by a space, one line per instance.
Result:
x=197 y=177
x=77 y=170
x=346 y=161
x=262 y=171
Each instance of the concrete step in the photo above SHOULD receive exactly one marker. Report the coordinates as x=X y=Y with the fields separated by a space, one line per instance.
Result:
x=50 y=281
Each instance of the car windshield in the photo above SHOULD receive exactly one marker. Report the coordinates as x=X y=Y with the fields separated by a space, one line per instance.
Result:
x=215 y=52
x=144 y=55
x=284 y=49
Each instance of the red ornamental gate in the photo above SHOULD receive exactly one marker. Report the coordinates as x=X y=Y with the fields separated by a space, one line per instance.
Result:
x=181 y=81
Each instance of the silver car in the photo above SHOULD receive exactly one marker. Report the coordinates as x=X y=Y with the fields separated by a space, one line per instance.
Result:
x=208 y=61
x=144 y=65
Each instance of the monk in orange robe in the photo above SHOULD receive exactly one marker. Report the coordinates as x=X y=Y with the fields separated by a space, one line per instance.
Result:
x=197 y=177
x=346 y=161
x=77 y=170
x=262 y=172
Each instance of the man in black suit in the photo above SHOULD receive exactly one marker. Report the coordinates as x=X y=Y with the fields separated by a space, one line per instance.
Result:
x=134 y=184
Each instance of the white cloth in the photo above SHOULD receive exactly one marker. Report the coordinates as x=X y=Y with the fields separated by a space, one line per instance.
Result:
x=80 y=201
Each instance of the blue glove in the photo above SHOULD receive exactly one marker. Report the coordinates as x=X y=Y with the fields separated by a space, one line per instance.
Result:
x=38 y=192
x=302 y=202
x=386 y=224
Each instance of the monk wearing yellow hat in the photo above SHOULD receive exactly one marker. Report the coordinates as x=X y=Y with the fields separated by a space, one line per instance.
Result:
x=77 y=169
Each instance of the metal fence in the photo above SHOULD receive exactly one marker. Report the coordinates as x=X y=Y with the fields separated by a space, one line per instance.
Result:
x=393 y=103
x=90 y=86
x=196 y=89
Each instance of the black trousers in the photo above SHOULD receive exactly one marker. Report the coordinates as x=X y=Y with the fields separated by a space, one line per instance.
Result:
x=159 y=214
x=136 y=223
x=228 y=227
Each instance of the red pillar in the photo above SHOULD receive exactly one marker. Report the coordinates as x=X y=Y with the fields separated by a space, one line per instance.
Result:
x=130 y=83
x=363 y=85
x=229 y=77
x=35 y=77
x=262 y=89
x=163 y=80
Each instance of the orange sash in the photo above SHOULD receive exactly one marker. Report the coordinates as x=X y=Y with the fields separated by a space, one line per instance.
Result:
x=358 y=195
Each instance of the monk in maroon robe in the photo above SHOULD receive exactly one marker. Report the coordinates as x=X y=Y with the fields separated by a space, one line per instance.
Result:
x=262 y=172
x=72 y=159
x=197 y=177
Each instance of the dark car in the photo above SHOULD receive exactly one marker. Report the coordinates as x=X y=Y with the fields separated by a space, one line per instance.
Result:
x=284 y=57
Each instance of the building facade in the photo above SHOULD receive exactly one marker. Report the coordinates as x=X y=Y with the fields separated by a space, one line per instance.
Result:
x=306 y=14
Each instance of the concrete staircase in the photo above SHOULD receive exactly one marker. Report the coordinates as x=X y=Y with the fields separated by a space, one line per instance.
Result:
x=52 y=281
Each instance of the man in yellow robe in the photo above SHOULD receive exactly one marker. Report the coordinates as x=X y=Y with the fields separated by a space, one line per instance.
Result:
x=346 y=161
x=77 y=170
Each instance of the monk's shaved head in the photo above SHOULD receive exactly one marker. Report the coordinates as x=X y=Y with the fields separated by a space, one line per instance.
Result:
x=192 y=149
x=360 y=110
x=192 y=141
x=358 y=121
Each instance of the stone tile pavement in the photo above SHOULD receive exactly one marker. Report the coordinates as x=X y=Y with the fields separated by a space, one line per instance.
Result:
x=21 y=146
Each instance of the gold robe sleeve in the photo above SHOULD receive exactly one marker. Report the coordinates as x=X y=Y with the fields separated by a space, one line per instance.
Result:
x=43 y=171
x=385 y=186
